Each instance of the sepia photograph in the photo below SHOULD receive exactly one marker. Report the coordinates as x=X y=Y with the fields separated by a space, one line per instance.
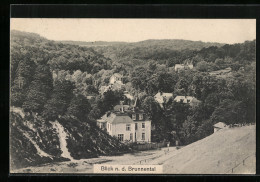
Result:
x=132 y=96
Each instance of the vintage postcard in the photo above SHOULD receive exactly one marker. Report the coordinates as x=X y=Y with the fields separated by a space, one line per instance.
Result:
x=133 y=96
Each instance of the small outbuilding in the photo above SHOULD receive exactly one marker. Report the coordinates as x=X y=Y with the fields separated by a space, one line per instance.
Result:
x=116 y=78
x=162 y=97
x=219 y=126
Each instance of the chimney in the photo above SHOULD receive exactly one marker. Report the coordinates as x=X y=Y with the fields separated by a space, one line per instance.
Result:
x=108 y=113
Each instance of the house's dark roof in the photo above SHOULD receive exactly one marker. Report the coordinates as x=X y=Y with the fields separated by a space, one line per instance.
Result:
x=117 y=118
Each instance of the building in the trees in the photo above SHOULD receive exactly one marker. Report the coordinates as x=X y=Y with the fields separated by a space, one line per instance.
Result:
x=179 y=67
x=221 y=73
x=162 y=98
x=129 y=98
x=187 y=100
x=104 y=89
x=219 y=126
x=89 y=97
x=115 y=83
x=121 y=107
x=127 y=124
x=116 y=78
x=112 y=87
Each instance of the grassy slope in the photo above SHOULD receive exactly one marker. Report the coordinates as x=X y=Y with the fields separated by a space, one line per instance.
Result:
x=215 y=154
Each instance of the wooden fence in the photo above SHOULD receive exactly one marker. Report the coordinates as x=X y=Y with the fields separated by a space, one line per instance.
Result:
x=149 y=146
x=242 y=162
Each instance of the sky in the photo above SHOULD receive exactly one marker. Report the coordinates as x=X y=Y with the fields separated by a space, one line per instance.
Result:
x=133 y=30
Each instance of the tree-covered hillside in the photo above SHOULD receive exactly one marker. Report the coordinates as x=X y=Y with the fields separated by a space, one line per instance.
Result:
x=225 y=96
x=45 y=98
x=54 y=80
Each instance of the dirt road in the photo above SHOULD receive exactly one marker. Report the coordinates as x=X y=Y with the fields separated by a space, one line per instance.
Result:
x=86 y=165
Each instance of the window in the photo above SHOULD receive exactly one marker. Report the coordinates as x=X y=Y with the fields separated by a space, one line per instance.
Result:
x=181 y=100
x=135 y=136
x=188 y=100
x=131 y=136
x=128 y=127
x=143 y=125
x=143 y=136
x=120 y=137
x=133 y=116
x=141 y=117
x=136 y=126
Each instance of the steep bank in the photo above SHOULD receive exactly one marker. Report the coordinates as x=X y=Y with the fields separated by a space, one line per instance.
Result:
x=34 y=141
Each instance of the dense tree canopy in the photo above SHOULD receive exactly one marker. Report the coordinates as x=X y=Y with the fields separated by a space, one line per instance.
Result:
x=55 y=79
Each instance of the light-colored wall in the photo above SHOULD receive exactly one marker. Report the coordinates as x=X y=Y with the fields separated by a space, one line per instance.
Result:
x=114 y=79
x=146 y=130
x=120 y=128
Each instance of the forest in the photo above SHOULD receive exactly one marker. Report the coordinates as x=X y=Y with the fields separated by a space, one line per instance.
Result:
x=53 y=79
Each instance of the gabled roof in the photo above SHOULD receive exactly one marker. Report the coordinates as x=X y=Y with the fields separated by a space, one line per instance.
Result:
x=159 y=97
x=220 y=125
x=117 y=75
x=163 y=94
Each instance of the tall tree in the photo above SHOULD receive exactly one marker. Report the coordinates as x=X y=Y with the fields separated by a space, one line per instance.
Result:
x=21 y=81
x=79 y=107
x=59 y=101
x=39 y=90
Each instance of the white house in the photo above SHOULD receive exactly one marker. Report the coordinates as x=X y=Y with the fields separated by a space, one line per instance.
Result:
x=127 y=126
x=116 y=78
x=162 y=97
x=178 y=67
x=113 y=87
x=142 y=127
x=115 y=83
x=219 y=126
x=187 y=100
